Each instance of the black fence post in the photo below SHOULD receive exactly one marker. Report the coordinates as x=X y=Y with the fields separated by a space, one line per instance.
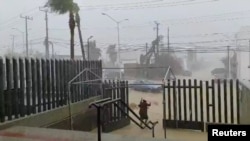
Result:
x=27 y=70
x=213 y=101
x=238 y=101
x=48 y=84
x=196 y=100
x=185 y=100
x=169 y=100
x=219 y=100
x=99 y=123
x=15 y=94
x=57 y=69
x=53 y=80
x=164 y=110
x=225 y=101
x=34 y=85
x=2 y=85
x=22 y=81
x=61 y=69
x=44 y=85
x=179 y=99
x=231 y=102
x=190 y=100
x=9 y=89
x=201 y=102
x=207 y=102
x=39 y=88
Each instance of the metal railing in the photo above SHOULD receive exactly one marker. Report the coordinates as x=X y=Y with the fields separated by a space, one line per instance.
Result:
x=101 y=103
x=167 y=75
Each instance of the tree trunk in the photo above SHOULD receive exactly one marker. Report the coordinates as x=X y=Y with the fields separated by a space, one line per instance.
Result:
x=80 y=34
x=72 y=32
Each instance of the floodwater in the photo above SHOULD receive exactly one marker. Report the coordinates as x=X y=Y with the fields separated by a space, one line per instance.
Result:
x=155 y=113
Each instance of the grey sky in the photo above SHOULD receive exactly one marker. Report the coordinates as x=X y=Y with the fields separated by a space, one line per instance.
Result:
x=183 y=17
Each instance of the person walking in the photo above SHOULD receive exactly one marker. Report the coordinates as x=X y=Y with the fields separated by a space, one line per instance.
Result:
x=143 y=112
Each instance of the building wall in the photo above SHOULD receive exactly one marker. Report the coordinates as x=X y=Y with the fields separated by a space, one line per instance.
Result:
x=243 y=57
x=245 y=103
x=59 y=118
x=244 y=71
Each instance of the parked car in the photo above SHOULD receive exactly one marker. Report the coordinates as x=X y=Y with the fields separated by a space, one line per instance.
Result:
x=146 y=86
x=219 y=71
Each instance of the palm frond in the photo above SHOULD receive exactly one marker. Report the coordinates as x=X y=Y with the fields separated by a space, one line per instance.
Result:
x=60 y=6
x=76 y=8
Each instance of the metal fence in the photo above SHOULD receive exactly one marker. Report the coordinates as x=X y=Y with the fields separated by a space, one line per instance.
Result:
x=114 y=118
x=193 y=104
x=30 y=86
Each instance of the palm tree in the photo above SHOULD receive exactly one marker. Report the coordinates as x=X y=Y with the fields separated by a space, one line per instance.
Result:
x=62 y=7
x=78 y=21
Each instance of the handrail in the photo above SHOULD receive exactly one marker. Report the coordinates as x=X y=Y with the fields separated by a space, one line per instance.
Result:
x=101 y=103
x=129 y=116
x=110 y=102
x=101 y=100
x=153 y=127
x=146 y=125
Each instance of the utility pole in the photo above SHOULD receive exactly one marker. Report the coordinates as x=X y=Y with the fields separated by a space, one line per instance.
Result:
x=168 y=41
x=47 y=32
x=118 y=39
x=157 y=37
x=26 y=29
x=146 y=48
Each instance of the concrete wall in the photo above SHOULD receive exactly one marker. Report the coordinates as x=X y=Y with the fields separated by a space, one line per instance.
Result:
x=245 y=103
x=58 y=118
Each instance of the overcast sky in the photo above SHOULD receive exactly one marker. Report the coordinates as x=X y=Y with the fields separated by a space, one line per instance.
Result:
x=188 y=21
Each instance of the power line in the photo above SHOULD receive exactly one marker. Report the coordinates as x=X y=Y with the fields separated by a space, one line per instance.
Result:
x=15 y=17
x=143 y=6
x=122 y=4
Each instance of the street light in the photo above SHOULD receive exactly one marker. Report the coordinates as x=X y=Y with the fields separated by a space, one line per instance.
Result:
x=20 y=32
x=118 y=39
x=88 y=45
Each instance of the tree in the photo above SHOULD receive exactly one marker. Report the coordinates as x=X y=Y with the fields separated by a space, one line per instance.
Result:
x=62 y=7
x=94 y=52
x=111 y=51
x=78 y=21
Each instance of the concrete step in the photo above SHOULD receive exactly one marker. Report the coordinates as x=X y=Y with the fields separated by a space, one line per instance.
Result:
x=21 y=133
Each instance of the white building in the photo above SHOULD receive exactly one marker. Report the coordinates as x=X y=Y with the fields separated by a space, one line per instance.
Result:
x=243 y=54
